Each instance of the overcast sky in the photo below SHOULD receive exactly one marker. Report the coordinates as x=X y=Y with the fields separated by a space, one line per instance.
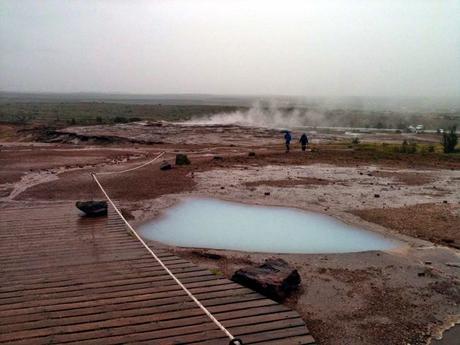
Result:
x=313 y=48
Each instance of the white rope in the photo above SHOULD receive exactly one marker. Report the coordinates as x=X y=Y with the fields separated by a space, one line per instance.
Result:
x=135 y=168
x=206 y=311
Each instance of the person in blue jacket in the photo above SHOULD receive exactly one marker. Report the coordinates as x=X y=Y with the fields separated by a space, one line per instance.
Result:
x=287 y=138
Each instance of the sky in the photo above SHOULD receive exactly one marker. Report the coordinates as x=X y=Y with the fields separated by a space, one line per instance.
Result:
x=332 y=48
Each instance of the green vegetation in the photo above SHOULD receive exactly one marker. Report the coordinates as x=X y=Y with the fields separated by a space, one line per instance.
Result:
x=407 y=147
x=384 y=119
x=450 y=140
x=216 y=272
x=90 y=113
x=387 y=150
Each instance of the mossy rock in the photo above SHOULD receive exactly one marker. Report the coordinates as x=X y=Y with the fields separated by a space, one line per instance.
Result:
x=182 y=159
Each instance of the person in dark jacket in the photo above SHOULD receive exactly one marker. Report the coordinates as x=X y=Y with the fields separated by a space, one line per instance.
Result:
x=287 y=138
x=304 y=141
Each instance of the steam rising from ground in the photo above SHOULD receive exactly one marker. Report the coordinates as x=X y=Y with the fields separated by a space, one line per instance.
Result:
x=260 y=115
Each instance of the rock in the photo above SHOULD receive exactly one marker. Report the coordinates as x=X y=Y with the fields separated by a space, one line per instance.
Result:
x=252 y=154
x=267 y=193
x=154 y=124
x=92 y=208
x=453 y=264
x=376 y=195
x=165 y=165
x=274 y=279
x=182 y=159
x=207 y=255
x=218 y=158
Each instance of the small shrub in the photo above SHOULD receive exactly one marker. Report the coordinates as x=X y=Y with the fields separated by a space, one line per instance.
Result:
x=99 y=119
x=355 y=141
x=407 y=147
x=135 y=119
x=412 y=148
x=450 y=140
x=72 y=121
x=120 y=119
x=431 y=148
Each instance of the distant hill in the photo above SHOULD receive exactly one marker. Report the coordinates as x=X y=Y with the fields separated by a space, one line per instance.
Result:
x=402 y=105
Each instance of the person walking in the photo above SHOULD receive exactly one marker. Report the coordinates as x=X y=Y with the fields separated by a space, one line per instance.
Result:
x=287 y=138
x=303 y=141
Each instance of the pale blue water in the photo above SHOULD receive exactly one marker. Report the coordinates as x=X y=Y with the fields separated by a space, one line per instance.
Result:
x=211 y=223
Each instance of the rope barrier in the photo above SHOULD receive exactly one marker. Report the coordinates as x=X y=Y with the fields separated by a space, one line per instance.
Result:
x=233 y=340
x=135 y=168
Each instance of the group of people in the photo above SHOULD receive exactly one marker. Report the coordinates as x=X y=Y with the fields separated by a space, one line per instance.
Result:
x=288 y=138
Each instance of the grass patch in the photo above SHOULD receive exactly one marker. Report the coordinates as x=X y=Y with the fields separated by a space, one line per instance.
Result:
x=216 y=272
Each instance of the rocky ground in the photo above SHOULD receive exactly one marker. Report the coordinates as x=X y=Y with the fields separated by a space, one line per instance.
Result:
x=404 y=296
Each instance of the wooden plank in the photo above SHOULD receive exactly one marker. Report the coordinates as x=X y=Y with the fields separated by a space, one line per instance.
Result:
x=87 y=281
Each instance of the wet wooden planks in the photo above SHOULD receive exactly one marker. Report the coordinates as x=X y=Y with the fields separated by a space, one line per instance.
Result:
x=69 y=279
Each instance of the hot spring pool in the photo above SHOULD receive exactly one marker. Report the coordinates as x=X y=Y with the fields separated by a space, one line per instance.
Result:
x=211 y=223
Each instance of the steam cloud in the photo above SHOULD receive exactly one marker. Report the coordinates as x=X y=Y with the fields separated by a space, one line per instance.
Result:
x=259 y=115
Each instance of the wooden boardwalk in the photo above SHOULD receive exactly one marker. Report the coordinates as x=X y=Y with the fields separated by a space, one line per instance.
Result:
x=70 y=279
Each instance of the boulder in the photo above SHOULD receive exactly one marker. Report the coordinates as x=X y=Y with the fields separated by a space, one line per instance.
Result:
x=252 y=154
x=274 y=279
x=92 y=208
x=182 y=159
x=165 y=165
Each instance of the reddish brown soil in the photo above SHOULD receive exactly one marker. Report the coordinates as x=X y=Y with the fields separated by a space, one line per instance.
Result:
x=290 y=182
x=10 y=176
x=432 y=222
x=410 y=179
x=139 y=185
x=343 y=157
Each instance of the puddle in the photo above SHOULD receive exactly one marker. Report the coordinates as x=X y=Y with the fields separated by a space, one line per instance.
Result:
x=212 y=223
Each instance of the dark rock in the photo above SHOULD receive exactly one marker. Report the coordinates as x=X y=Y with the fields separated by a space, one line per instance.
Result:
x=154 y=124
x=218 y=158
x=207 y=255
x=274 y=279
x=92 y=208
x=165 y=165
x=182 y=159
x=267 y=193
x=376 y=195
x=444 y=201
x=252 y=154
x=127 y=214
